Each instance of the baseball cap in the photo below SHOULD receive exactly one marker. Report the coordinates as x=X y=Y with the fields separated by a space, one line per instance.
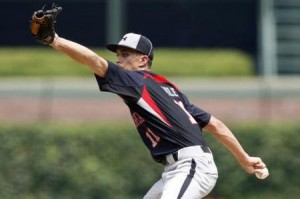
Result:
x=136 y=42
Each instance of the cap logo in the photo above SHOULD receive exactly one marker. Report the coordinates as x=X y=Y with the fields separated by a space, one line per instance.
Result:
x=136 y=42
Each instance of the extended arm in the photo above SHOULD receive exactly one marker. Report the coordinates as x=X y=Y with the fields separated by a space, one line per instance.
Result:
x=81 y=54
x=227 y=138
x=42 y=27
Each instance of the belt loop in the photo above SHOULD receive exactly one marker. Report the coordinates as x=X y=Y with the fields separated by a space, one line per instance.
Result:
x=205 y=149
x=175 y=156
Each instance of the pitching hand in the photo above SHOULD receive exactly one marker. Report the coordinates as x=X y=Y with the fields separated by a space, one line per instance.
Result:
x=252 y=164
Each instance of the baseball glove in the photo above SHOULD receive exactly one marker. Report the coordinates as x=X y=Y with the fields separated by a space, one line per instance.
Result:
x=42 y=24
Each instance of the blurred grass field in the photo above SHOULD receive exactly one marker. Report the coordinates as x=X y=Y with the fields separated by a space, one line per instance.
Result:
x=44 y=61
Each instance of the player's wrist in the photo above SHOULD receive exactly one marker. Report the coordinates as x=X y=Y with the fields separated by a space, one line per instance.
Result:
x=244 y=159
x=55 y=40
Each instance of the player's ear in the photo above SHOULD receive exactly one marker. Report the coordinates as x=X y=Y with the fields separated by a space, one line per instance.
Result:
x=143 y=62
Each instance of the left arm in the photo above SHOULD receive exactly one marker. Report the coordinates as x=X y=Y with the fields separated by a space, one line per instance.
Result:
x=227 y=138
x=217 y=128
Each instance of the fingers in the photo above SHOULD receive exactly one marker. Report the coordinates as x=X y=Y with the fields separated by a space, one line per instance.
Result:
x=253 y=164
x=259 y=164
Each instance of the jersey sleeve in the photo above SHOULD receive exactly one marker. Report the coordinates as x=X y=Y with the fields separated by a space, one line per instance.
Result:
x=127 y=84
x=202 y=117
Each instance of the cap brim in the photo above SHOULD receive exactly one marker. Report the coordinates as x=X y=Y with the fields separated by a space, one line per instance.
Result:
x=114 y=47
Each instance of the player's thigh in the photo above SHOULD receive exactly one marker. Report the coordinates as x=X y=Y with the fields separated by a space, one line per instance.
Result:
x=193 y=178
x=186 y=187
x=174 y=186
x=155 y=191
x=196 y=189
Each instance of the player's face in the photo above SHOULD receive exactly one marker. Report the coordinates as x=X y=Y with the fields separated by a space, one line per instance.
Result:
x=129 y=59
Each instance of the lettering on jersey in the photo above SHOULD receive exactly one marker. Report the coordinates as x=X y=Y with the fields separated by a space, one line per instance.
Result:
x=138 y=120
x=170 y=91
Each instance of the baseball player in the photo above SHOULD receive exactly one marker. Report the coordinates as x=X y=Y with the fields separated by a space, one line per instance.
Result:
x=169 y=125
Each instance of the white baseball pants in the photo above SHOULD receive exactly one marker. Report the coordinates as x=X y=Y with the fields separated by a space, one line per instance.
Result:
x=192 y=176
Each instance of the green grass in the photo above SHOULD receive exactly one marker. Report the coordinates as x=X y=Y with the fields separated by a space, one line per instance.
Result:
x=203 y=62
x=37 y=62
x=44 y=61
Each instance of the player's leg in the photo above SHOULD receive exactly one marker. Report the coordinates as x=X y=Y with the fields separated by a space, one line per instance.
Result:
x=189 y=179
x=155 y=191
x=204 y=179
x=173 y=186
x=199 y=187
x=190 y=189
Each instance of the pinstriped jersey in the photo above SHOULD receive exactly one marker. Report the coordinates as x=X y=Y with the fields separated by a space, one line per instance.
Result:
x=163 y=115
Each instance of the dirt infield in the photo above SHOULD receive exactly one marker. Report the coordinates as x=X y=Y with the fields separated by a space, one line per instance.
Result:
x=31 y=102
x=92 y=110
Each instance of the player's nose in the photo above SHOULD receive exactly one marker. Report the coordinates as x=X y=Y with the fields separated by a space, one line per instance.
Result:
x=118 y=61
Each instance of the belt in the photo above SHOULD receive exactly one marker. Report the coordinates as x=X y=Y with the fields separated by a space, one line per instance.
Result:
x=186 y=152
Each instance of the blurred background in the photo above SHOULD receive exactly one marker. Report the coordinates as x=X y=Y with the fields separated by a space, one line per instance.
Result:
x=61 y=138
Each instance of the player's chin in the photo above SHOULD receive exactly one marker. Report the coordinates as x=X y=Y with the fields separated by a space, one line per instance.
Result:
x=121 y=65
x=124 y=67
